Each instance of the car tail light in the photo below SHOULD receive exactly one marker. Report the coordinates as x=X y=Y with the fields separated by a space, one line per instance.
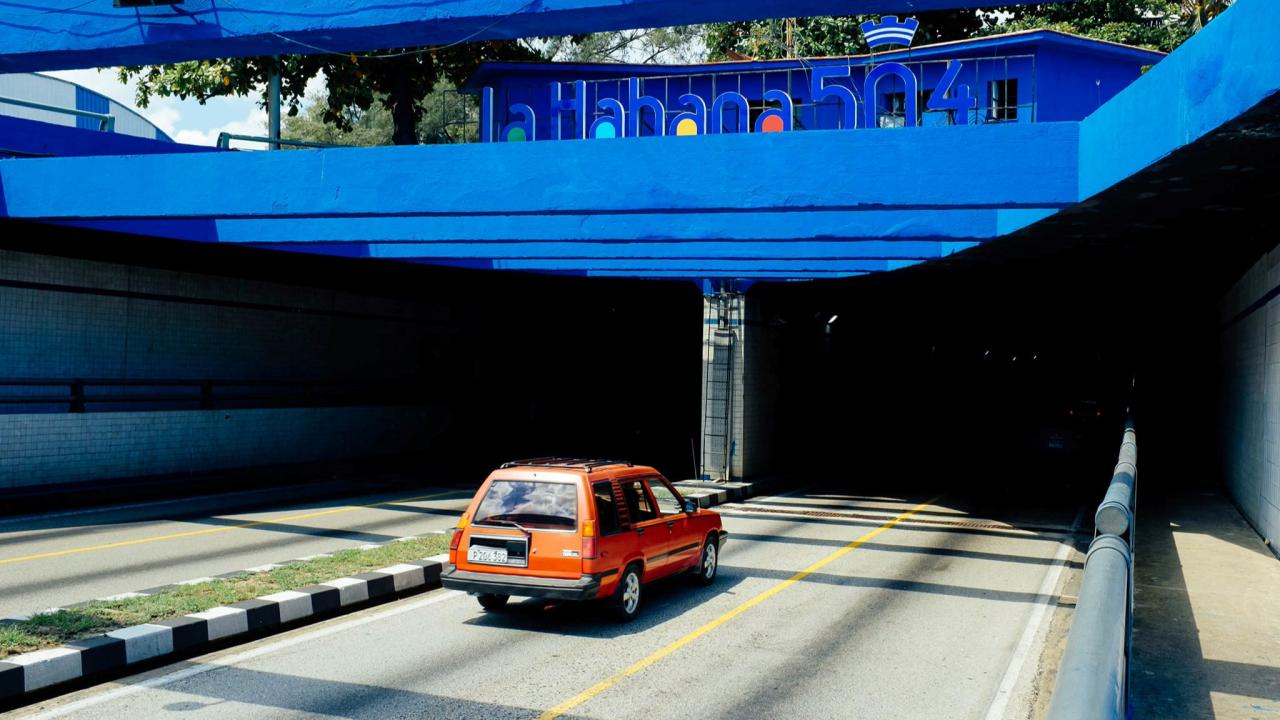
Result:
x=588 y=540
x=1098 y=414
x=457 y=533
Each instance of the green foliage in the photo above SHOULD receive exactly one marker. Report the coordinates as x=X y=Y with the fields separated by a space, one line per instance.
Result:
x=447 y=116
x=647 y=45
x=1155 y=24
x=398 y=80
x=825 y=36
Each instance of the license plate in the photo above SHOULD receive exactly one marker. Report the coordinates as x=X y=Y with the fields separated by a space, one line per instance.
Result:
x=490 y=555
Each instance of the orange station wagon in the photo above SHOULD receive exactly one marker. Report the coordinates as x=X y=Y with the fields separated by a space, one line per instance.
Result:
x=572 y=529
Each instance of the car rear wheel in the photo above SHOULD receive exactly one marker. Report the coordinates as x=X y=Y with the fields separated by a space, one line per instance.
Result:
x=708 y=563
x=493 y=602
x=627 y=597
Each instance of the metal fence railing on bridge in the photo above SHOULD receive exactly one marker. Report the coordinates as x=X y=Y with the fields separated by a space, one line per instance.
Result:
x=1093 y=681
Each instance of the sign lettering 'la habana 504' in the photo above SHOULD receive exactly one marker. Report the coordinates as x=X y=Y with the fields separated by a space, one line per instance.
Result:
x=617 y=120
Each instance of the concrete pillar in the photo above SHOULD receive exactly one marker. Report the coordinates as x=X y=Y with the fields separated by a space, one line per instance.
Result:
x=738 y=389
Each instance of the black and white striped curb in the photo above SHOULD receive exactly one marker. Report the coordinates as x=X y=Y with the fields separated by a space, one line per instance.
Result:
x=36 y=671
x=709 y=493
x=234 y=575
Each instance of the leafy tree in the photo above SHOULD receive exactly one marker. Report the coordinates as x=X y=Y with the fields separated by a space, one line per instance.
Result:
x=825 y=36
x=1197 y=13
x=647 y=45
x=447 y=116
x=1154 y=24
x=398 y=80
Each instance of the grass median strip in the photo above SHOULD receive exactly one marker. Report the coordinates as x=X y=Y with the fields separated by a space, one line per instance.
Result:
x=56 y=628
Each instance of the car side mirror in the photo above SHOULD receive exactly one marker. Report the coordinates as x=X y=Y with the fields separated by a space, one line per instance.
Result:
x=690 y=506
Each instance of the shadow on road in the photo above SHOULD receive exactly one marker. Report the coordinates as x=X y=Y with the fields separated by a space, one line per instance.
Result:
x=664 y=600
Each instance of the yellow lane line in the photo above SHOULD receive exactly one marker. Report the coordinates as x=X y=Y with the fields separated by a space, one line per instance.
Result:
x=210 y=531
x=609 y=682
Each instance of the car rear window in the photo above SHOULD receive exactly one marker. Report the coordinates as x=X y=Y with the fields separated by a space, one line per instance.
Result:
x=530 y=503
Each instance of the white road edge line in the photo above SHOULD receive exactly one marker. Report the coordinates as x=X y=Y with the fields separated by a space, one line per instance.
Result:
x=1023 y=651
x=244 y=656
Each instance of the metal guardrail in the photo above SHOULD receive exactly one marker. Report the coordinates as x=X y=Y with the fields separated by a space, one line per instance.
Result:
x=1093 y=680
x=80 y=395
x=106 y=123
x=224 y=141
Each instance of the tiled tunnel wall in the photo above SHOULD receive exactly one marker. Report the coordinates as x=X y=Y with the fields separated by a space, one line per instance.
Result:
x=63 y=318
x=1250 y=413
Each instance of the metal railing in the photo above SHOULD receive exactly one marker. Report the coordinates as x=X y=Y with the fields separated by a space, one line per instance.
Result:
x=106 y=123
x=81 y=395
x=1093 y=680
x=224 y=141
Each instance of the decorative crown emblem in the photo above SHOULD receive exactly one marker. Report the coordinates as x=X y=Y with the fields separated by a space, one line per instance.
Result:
x=890 y=31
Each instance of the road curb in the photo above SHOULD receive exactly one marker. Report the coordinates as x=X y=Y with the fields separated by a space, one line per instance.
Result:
x=22 y=675
x=709 y=493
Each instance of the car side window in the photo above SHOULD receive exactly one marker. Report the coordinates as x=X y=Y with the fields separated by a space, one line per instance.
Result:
x=606 y=508
x=638 y=501
x=668 y=503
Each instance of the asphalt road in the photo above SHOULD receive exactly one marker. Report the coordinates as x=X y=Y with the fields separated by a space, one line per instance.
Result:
x=826 y=615
x=55 y=560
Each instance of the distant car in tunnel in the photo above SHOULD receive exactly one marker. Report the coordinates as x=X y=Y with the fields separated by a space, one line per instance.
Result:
x=1070 y=433
x=572 y=529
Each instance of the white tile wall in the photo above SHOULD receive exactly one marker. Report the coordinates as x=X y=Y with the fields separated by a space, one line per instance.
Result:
x=1250 y=422
x=72 y=331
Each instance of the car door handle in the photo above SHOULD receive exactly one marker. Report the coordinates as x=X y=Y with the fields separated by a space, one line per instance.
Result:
x=639 y=531
x=671 y=523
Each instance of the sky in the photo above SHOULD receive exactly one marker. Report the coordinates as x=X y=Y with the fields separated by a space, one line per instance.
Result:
x=186 y=121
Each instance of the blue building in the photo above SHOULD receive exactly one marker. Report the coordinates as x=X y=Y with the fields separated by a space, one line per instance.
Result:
x=1024 y=77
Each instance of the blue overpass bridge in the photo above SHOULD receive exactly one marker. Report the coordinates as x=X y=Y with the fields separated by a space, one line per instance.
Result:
x=809 y=203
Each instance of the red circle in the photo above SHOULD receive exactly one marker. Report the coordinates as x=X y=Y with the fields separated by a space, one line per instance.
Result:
x=772 y=123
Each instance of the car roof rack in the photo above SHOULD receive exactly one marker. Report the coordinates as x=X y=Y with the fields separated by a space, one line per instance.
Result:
x=587 y=464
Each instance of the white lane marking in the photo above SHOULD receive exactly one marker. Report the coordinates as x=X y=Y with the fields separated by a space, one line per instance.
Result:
x=190 y=672
x=758 y=511
x=1038 y=613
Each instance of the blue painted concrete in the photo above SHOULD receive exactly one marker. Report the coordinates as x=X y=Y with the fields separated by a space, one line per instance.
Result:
x=920 y=169
x=861 y=225
x=1230 y=66
x=28 y=137
x=806 y=204
x=95 y=34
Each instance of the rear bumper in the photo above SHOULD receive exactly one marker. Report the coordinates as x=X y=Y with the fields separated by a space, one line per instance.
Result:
x=583 y=588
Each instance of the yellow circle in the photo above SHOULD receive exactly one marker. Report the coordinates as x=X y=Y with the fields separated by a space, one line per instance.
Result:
x=687 y=126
